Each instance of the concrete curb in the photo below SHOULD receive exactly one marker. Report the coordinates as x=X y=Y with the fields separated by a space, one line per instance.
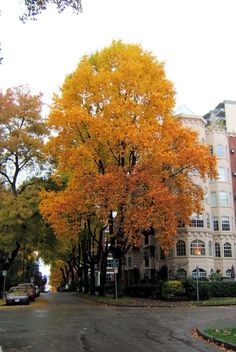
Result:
x=219 y=342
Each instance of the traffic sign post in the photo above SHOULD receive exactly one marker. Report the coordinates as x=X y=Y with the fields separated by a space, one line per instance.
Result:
x=115 y=262
x=115 y=265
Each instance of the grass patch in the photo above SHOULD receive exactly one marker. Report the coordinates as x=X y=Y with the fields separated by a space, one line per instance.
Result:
x=108 y=300
x=221 y=301
x=227 y=335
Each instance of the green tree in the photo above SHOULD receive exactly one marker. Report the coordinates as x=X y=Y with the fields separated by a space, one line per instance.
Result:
x=22 y=133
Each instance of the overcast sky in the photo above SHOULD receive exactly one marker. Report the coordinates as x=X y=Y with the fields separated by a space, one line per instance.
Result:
x=195 y=39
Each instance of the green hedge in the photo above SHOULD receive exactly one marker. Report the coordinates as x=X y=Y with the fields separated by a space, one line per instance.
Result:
x=187 y=288
x=209 y=289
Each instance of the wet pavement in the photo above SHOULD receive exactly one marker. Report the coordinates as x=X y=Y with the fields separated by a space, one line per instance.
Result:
x=69 y=323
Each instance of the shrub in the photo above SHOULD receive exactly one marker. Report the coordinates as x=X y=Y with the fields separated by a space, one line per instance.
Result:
x=190 y=286
x=172 y=289
x=222 y=289
x=216 y=277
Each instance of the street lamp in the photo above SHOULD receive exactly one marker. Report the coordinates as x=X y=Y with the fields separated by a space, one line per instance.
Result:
x=4 y=274
x=197 y=273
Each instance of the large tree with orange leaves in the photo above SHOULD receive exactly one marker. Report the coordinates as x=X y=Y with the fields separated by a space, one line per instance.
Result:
x=128 y=162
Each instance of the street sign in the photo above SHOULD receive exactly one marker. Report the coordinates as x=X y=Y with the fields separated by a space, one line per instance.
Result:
x=115 y=269
x=115 y=262
x=4 y=273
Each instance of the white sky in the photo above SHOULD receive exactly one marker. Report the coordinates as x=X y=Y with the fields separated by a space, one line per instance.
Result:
x=195 y=39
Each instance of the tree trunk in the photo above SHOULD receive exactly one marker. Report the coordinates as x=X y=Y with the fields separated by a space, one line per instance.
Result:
x=103 y=272
x=86 y=283
x=92 y=278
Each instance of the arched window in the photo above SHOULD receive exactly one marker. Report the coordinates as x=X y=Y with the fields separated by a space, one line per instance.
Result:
x=181 y=273
x=180 y=248
x=220 y=151
x=227 y=250
x=210 y=248
x=217 y=250
x=197 y=247
x=200 y=273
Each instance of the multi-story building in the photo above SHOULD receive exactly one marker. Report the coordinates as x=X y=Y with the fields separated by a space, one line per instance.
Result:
x=208 y=243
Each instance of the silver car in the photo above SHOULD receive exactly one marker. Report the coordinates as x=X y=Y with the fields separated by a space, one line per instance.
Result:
x=17 y=295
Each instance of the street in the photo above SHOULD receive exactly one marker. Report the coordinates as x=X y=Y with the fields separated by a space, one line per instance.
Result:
x=67 y=324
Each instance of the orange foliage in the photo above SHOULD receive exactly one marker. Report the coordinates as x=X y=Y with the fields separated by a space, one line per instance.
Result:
x=122 y=150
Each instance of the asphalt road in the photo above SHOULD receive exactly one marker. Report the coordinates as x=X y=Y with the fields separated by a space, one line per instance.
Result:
x=68 y=324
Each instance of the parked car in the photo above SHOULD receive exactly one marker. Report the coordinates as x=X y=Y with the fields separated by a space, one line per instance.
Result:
x=17 y=295
x=31 y=290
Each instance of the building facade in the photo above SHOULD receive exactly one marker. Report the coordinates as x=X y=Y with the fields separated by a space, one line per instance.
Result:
x=208 y=244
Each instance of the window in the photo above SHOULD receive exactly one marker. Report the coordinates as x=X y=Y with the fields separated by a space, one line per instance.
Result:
x=208 y=222
x=197 y=221
x=162 y=254
x=227 y=250
x=146 y=239
x=220 y=151
x=211 y=150
x=217 y=250
x=197 y=247
x=225 y=223
x=213 y=199
x=206 y=196
x=109 y=263
x=215 y=223
x=180 y=248
x=228 y=273
x=152 y=251
x=109 y=277
x=200 y=273
x=222 y=174
x=210 y=248
x=224 y=198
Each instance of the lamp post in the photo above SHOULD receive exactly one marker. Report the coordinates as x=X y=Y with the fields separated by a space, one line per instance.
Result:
x=197 y=273
x=4 y=274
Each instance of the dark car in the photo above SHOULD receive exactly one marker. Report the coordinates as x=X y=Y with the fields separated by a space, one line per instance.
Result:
x=31 y=290
x=17 y=295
